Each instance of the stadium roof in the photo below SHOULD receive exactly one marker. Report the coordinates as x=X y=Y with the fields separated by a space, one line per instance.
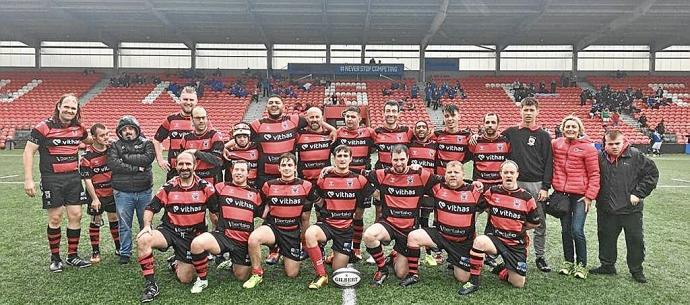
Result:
x=659 y=23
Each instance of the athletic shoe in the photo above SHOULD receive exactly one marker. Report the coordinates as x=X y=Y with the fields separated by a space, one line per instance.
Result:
x=371 y=260
x=172 y=264
x=224 y=265
x=272 y=258
x=199 y=285
x=254 y=280
x=123 y=260
x=409 y=280
x=329 y=259
x=639 y=277
x=379 y=277
x=150 y=292
x=356 y=255
x=430 y=260
x=76 y=261
x=567 y=268
x=303 y=255
x=117 y=252
x=490 y=261
x=319 y=282
x=603 y=270
x=438 y=256
x=56 y=266
x=580 y=271
x=542 y=265
x=468 y=288
x=95 y=258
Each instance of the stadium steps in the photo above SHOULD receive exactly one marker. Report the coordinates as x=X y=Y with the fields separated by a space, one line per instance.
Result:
x=436 y=116
x=94 y=91
x=255 y=110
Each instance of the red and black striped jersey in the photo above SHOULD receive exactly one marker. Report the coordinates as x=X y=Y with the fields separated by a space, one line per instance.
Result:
x=175 y=127
x=451 y=147
x=58 y=146
x=94 y=165
x=385 y=139
x=360 y=141
x=488 y=154
x=401 y=195
x=237 y=206
x=423 y=153
x=210 y=142
x=454 y=210
x=249 y=154
x=185 y=207
x=275 y=137
x=313 y=153
x=286 y=200
x=341 y=193
x=508 y=213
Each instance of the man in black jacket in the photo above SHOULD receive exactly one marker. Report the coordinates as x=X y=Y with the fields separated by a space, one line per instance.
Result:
x=627 y=177
x=130 y=161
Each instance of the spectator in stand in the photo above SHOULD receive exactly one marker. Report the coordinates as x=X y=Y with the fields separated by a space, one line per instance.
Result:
x=306 y=86
x=553 y=87
x=386 y=92
x=372 y=61
x=615 y=119
x=557 y=131
x=605 y=115
x=451 y=93
x=414 y=91
x=661 y=127
x=643 y=121
x=217 y=73
x=660 y=92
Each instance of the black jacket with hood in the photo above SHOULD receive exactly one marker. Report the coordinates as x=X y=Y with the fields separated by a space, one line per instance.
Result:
x=130 y=160
x=632 y=173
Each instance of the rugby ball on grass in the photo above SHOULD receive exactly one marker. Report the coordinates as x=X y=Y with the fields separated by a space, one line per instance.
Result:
x=346 y=277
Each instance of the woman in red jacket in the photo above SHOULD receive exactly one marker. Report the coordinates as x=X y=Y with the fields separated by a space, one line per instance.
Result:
x=576 y=179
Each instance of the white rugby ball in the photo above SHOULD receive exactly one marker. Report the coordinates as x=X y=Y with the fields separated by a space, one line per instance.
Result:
x=346 y=277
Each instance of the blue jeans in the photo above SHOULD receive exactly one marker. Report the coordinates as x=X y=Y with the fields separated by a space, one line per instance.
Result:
x=127 y=204
x=573 y=231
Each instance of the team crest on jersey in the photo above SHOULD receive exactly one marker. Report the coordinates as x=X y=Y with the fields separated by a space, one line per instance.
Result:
x=195 y=195
x=399 y=137
x=531 y=141
x=295 y=189
x=460 y=138
x=349 y=182
x=252 y=154
x=516 y=203
x=500 y=146
x=205 y=143
x=250 y=195
x=331 y=183
x=410 y=180
x=285 y=124
x=463 y=196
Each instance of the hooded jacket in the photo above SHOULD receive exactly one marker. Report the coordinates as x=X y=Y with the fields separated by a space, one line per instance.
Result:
x=130 y=160
x=631 y=173
x=575 y=167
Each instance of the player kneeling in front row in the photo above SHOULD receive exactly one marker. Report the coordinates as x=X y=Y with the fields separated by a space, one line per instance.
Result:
x=236 y=205
x=287 y=198
x=185 y=199
x=512 y=211
x=455 y=204
x=342 y=192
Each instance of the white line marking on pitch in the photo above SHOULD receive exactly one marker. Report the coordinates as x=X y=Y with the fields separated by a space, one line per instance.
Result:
x=674 y=186
x=679 y=180
x=349 y=296
x=12 y=176
x=11 y=182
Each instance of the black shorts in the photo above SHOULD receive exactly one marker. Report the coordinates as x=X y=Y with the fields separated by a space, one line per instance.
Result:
x=515 y=258
x=61 y=189
x=458 y=252
x=171 y=174
x=398 y=237
x=239 y=253
x=107 y=204
x=427 y=203
x=288 y=242
x=180 y=242
x=342 y=239
x=366 y=203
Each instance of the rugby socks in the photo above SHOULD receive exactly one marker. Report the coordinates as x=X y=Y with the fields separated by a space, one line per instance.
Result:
x=377 y=254
x=200 y=262
x=94 y=236
x=413 y=260
x=72 y=241
x=115 y=233
x=476 y=262
x=503 y=274
x=54 y=236
x=357 y=233
x=317 y=260
x=146 y=264
x=258 y=271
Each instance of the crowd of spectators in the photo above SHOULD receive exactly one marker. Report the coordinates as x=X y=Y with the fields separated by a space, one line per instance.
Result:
x=434 y=92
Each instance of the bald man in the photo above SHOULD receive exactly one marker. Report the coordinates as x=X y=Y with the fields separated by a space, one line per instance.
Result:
x=313 y=151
